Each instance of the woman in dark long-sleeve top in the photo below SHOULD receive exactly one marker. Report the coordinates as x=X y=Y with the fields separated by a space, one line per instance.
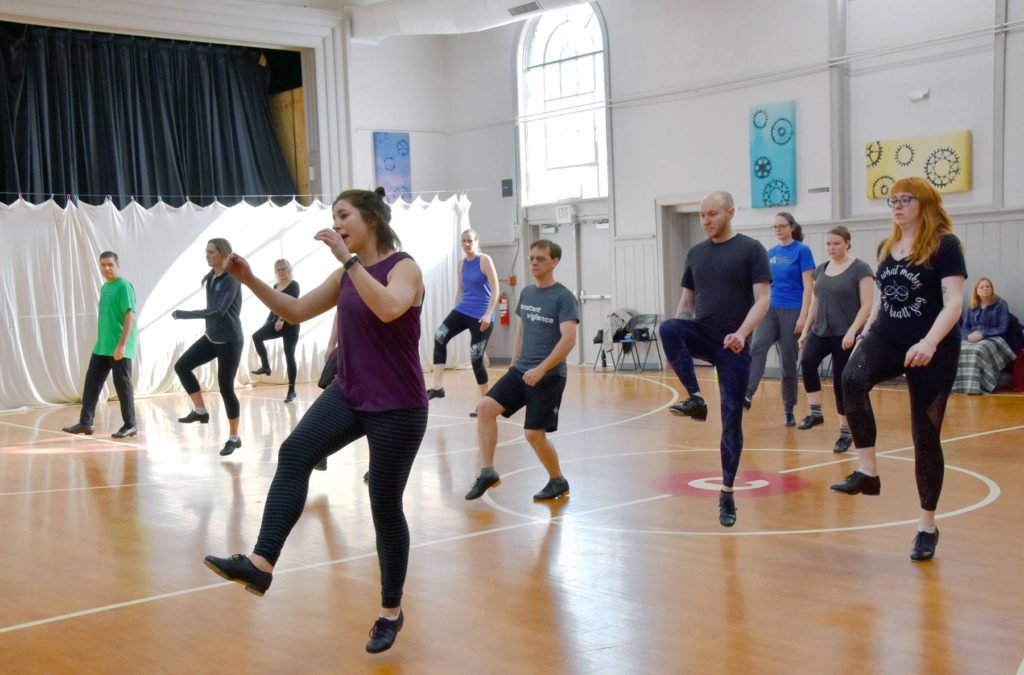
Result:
x=222 y=341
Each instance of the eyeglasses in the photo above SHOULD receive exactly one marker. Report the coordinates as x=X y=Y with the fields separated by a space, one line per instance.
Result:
x=904 y=200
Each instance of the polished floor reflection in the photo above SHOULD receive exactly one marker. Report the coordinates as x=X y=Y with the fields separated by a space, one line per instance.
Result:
x=104 y=540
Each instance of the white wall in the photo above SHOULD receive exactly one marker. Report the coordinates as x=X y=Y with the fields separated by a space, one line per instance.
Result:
x=958 y=74
x=401 y=85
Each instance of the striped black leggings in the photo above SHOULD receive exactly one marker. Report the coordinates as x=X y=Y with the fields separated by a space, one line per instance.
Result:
x=330 y=424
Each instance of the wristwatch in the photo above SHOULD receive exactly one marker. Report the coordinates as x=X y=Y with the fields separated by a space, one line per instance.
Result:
x=354 y=259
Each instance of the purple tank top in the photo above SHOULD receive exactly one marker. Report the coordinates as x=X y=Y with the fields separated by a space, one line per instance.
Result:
x=378 y=363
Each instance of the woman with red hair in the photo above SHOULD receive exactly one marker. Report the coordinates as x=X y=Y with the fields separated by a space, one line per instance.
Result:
x=911 y=331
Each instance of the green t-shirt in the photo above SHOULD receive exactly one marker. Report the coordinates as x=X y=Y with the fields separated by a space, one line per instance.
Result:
x=116 y=298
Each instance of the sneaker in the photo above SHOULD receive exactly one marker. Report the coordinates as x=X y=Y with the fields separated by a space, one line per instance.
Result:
x=321 y=465
x=193 y=416
x=78 y=429
x=290 y=396
x=384 y=632
x=726 y=509
x=262 y=370
x=790 y=420
x=859 y=483
x=435 y=393
x=125 y=432
x=694 y=407
x=811 y=420
x=924 y=546
x=230 y=447
x=556 y=487
x=747 y=402
x=239 y=568
x=843 y=444
x=475 y=412
x=483 y=484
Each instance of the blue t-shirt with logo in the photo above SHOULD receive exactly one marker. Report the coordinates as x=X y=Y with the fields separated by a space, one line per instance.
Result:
x=788 y=265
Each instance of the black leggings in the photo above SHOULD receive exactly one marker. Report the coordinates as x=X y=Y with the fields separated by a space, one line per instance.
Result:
x=877 y=360
x=290 y=335
x=816 y=348
x=455 y=323
x=228 y=356
x=330 y=424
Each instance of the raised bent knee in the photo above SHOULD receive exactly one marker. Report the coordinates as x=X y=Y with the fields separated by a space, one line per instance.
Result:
x=488 y=408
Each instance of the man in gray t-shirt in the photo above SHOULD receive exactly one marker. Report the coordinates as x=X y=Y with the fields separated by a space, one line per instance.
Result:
x=545 y=335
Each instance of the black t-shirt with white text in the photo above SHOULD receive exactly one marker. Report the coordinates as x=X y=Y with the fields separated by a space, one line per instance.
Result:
x=722 y=278
x=912 y=294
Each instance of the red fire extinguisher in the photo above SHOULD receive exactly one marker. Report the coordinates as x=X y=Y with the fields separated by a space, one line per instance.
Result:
x=503 y=308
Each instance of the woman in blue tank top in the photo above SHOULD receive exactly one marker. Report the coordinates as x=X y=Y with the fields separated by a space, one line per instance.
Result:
x=478 y=283
x=377 y=392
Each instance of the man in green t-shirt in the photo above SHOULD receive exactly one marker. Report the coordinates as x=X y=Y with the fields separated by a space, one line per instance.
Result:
x=116 y=347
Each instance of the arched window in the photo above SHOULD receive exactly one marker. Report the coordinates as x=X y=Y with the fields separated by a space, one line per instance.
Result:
x=563 y=142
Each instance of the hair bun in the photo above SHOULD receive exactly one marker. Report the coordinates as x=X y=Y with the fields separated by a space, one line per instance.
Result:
x=380 y=191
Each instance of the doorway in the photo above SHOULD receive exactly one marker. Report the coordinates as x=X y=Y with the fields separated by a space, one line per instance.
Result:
x=586 y=260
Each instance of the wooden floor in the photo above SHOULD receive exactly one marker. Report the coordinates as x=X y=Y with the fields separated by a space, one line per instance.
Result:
x=103 y=544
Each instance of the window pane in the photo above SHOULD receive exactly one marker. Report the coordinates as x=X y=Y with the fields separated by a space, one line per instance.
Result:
x=563 y=133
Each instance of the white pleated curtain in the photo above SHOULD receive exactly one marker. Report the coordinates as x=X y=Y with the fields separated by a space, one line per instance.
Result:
x=51 y=284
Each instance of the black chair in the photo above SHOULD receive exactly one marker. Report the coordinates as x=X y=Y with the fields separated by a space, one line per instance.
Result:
x=641 y=335
x=602 y=353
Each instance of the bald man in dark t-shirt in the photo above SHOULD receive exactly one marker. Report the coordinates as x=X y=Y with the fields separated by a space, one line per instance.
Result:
x=726 y=285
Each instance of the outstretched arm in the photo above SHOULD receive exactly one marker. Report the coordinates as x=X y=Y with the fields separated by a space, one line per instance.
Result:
x=292 y=310
x=403 y=290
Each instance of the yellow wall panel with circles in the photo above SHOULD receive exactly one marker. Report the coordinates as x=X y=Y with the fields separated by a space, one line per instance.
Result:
x=944 y=160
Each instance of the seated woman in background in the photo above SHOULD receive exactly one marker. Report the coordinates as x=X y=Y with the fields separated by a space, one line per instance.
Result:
x=984 y=351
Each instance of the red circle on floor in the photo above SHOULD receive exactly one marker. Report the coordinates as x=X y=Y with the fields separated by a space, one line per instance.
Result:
x=747 y=483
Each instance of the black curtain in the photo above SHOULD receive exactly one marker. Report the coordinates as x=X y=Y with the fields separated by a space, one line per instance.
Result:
x=93 y=114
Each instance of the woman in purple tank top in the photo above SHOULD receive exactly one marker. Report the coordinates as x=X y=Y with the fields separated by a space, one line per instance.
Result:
x=474 y=311
x=378 y=392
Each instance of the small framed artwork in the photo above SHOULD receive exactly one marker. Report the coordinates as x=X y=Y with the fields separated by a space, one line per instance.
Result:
x=392 y=163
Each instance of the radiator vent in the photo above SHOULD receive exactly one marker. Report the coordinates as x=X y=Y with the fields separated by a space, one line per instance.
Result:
x=524 y=9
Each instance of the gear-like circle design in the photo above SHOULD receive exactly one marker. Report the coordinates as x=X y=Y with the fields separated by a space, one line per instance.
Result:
x=942 y=167
x=874 y=153
x=760 y=118
x=389 y=163
x=762 y=167
x=402 y=148
x=904 y=155
x=882 y=186
x=782 y=131
x=776 y=193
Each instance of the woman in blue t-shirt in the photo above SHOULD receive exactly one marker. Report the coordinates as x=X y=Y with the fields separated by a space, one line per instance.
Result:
x=911 y=331
x=792 y=265
x=478 y=283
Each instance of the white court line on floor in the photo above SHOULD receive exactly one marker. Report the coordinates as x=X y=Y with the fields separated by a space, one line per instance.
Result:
x=853 y=456
x=75 y=437
x=301 y=568
x=993 y=494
